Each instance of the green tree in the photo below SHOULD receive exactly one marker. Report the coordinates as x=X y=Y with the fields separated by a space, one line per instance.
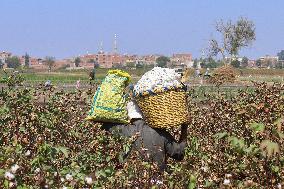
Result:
x=77 y=61
x=96 y=64
x=211 y=63
x=234 y=36
x=162 y=61
x=244 y=62
x=27 y=60
x=195 y=63
x=258 y=63
x=281 y=55
x=236 y=63
x=202 y=62
x=49 y=62
x=130 y=64
x=91 y=60
x=139 y=65
x=1 y=64
x=279 y=64
x=13 y=62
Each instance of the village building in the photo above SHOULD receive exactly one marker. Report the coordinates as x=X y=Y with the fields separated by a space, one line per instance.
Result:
x=182 y=60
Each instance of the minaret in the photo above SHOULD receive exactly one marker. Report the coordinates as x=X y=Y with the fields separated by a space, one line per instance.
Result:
x=115 y=44
x=101 y=50
x=202 y=53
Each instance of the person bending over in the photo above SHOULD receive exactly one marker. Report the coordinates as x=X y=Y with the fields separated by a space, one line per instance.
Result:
x=152 y=143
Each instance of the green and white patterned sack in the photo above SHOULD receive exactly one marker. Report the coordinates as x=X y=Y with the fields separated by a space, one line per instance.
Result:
x=109 y=101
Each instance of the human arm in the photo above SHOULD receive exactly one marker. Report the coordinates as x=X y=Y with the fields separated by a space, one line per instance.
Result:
x=173 y=148
x=183 y=136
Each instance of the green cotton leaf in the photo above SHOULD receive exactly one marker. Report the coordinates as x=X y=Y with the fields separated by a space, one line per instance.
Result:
x=278 y=123
x=191 y=185
x=22 y=187
x=220 y=135
x=2 y=172
x=275 y=169
x=126 y=148
x=22 y=129
x=6 y=184
x=208 y=184
x=192 y=178
x=63 y=150
x=4 y=110
x=35 y=161
x=280 y=134
x=257 y=127
x=120 y=158
x=192 y=182
x=101 y=173
x=252 y=149
x=109 y=170
x=269 y=148
x=236 y=143
x=80 y=176
x=108 y=158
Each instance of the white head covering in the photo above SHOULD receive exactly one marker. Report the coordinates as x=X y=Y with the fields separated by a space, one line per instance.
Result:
x=133 y=110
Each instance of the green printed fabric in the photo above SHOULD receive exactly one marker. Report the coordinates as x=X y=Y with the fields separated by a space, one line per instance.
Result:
x=109 y=102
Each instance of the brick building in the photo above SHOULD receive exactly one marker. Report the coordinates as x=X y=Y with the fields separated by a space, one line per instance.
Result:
x=181 y=59
x=252 y=63
x=148 y=59
x=105 y=60
x=3 y=57
x=268 y=61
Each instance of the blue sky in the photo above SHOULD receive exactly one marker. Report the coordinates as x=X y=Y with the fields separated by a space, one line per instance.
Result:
x=66 y=28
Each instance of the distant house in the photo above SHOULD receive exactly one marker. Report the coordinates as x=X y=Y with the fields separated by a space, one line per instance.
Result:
x=3 y=57
x=252 y=64
x=148 y=59
x=268 y=61
x=228 y=59
x=183 y=60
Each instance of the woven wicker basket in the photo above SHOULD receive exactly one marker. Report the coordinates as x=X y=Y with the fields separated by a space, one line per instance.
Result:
x=164 y=110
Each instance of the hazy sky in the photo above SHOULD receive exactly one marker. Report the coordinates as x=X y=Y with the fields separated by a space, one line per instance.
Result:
x=66 y=28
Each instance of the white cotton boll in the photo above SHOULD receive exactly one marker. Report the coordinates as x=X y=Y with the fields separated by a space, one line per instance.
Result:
x=228 y=175
x=64 y=187
x=62 y=179
x=37 y=170
x=14 y=168
x=89 y=180
x=12 y=184
x=69 y=177
x=154 y=181
x=226 y=182
x=279 y=186
x=159 y=182
x=46 y=186
x=28 y=153
x=205 y=168
x=9 y=176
